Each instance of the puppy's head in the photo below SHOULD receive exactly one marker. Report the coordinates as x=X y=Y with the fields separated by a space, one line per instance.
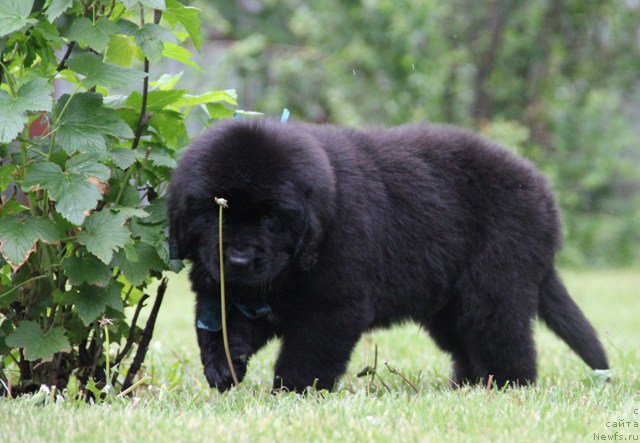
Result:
x=280 y=190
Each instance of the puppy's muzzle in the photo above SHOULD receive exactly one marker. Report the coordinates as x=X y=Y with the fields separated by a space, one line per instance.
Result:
x=241 y=257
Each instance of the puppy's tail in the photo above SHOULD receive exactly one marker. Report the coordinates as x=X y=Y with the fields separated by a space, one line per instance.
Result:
x=563 y=317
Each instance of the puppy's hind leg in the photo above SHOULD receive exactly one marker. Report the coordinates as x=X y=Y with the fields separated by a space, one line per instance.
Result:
x=497 y=328
x=443 y=328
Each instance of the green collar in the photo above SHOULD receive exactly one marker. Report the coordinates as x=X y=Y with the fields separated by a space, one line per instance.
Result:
x=210 y=317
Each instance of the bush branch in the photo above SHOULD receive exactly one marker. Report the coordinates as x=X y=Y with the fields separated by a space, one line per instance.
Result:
x=65 y=57
x=402 y=376
x=129 y=343
x=144 y=117
x=146 y=337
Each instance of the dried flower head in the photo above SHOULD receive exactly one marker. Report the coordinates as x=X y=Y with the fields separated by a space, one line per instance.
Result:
x=104 y=321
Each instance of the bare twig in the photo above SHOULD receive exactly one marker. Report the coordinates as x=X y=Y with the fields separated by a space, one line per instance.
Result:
x=375 y=365
x=66 y=55
x=26 y=282
x=113 y=5
x=402 y=376
x=373 y=372
x=129 y=343
x=144 y=116
x=23 y=364
x=132 y=387
x=489 y=382
x=52 y=317
x=7 y=385
x=95 y=349
x=146 y=337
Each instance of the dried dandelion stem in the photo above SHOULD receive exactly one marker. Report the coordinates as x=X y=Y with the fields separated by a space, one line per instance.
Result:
x=222 y=203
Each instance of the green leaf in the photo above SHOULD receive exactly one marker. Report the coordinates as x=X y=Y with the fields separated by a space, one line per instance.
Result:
x=92 y=301
x=56 y=7
x=137 y=271
x=218 y=110
x=89 y=165
x=73 y=387
x=150 y=37
x=14 y=15
x=155 y=4
x=176 y=52
x=34 y=95
x=43 y=175
x=6 y=175
x=121 y=50
x=115 y=101
x=127 y=27
x=130 y=252
x=87 y=269
x=156 y=236
x=4 y=331
x=228 y=96
x=73 y=192
x=123 y=157
x=129 y=115
x=104 y=233
x=69 y=76
x=18 y=236
x=167 y=81
x=93 y=388
x=64 y=297
x=156 y=100
x=86 y=122
x=50 y=35
x=188 y=17
x=96 y=36
x=12 y=207
x=98 y=73
x=161 y=157
x=130 y=194
x=12 y=120
x=128 y=212
x=37 y=344
x=157 y=211
x=170 y=125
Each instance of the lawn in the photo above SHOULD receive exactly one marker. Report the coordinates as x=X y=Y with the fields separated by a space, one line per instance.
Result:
x=568 y=403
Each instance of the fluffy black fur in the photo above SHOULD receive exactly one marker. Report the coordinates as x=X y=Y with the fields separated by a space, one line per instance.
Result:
x=344 y=230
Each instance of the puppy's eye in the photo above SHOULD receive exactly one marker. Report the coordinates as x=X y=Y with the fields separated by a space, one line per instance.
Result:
x=271 y=220
x=271 y=217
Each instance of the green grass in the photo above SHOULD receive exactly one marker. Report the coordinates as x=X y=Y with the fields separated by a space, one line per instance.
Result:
x=566 y=404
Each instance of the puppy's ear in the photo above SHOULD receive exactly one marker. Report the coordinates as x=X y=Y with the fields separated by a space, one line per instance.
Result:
x=177 y=249
x=306 y=250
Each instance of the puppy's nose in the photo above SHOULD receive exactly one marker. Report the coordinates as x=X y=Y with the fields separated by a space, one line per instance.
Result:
x=241 y=257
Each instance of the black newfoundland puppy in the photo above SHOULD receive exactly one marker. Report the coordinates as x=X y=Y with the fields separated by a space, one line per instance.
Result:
x=331 y=232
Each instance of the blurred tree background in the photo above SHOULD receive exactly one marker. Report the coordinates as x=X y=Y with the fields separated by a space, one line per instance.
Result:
x=555 y=80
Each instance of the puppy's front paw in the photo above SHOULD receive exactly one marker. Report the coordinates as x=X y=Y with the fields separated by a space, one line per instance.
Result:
x=218 y=374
